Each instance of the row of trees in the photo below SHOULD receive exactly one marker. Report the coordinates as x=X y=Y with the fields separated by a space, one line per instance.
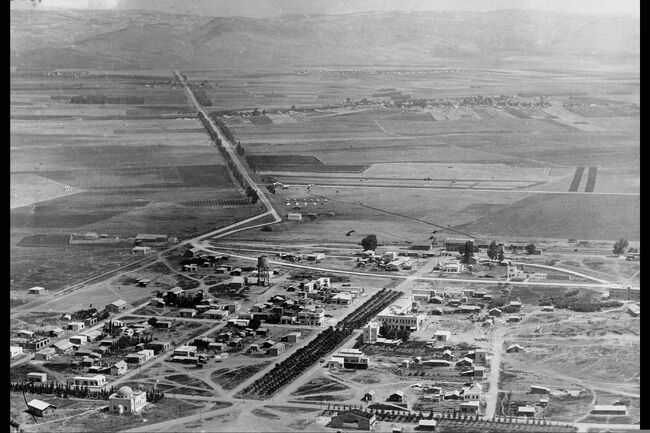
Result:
x=326 y=341
x=234 y=169
x=66 y=391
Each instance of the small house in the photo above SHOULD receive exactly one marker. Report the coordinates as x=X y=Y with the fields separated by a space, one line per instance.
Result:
x=187 y=312
x=119 y=368
x=76 y=326
x=36 y=291
x=427 y=424
x=116 y=306
x=37 y=377
x=369 y=396
x=397 y=396
x=78 y=340
x=63 y=347
x=45 y=354
x=292 y=337
x=495 y=312
x=276 y=349
x=527 y=411
x=536 y=389
x=40 y=408
x=15 y=351
x=469 y=407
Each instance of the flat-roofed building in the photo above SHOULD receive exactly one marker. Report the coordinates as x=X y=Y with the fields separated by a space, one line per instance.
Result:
x=95 y=382
x=609 y=410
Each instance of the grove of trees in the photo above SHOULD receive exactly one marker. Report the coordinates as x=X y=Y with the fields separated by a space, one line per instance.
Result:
x=369 y=242
x=621 y=246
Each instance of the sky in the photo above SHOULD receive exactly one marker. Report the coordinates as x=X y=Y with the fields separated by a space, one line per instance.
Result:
x=269 y=8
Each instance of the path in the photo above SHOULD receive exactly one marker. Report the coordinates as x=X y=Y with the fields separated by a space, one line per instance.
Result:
x=493 y=377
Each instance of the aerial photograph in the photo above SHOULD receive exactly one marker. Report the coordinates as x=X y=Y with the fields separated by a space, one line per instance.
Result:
x=325 y=216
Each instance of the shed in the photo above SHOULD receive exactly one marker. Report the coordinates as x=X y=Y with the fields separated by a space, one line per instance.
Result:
x=40 y=408
x=427 y=424
x=37 y=290
x=528 y=411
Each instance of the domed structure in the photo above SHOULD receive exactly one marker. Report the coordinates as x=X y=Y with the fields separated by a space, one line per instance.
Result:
x=125 y=391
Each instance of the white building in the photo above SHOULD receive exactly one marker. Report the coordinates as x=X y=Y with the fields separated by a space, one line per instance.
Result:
x=36 y=291
x=371 y=333
x=185 y=351
x=125 y=400
x=294 y=216
x=442 y=335
x=140 y=250
x=15 y=351
x=95 y=382
x=352 y=358
x=452 y=267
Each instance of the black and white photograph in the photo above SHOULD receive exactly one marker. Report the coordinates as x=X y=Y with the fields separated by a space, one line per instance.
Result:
x=325 y=216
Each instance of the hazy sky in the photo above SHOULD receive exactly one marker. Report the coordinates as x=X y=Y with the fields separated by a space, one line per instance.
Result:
x=268 y=8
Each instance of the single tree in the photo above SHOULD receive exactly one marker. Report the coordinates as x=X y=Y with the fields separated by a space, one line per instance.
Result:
x=152 y=321
x=493 y=250
x=469 y=251
x=531 y=248
x=369 y=242
x=621 y=246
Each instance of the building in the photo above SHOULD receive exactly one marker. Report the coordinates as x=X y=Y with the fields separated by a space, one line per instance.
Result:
x=494 y=312
x=37 y=377
x=292 y=337
x=609 y=410
x=63 y=347
x=116 y=306
x=442 y=335
x=94 y=383
x=369 y=396
x=76 y=326
x=15 y=351
x=294 y=216
x=23 y=333
x=36 y=344
x=237 y=281
x=342 y=299
x=276 y=349
x=421 y=246
x=633 y=310
x=456 y=244
x=311 y=318
x=427 y=424
x=40 y=408
x=45 y=354
x=125 y=400
x=513 y=319
x=452 y=267
x=470 y=407
x=185 y=351
x=625 y=294
x=147 y=238
x=353 y=358
x=187 y=312
x=140 y=250
x=465 y=362
x=401 y=321
x=119 y=368
x=36 y=291
x=371 y=333
x=139 y=357
x=535 y=389
x=78 y=340
x=548 y=308
x=527 y=411
x=353 y=419
x=90 y=321
x=216 y=314
x=397 y=396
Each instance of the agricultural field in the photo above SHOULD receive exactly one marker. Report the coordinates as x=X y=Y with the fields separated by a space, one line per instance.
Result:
x=510 y=167
x=145 y=166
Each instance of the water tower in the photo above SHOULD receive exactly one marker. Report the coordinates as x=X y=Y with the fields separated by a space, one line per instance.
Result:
x=262 y=270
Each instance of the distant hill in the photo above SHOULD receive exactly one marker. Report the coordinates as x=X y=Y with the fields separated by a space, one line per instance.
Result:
x=152 y=40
